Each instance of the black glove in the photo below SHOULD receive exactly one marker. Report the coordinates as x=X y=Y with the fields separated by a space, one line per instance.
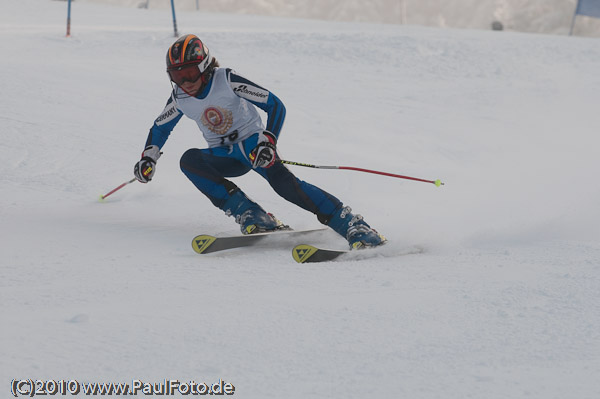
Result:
x=145 y=168
x=263 y=155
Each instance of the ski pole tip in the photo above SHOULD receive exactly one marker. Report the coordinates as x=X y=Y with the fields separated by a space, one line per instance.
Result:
x=101 y=198
x=438 y=183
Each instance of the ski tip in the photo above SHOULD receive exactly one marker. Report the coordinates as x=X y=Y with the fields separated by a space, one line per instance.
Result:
x=201 y=243
x=309 y=254
x=303 y=252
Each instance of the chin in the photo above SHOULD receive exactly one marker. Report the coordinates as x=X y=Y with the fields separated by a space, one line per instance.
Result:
x=191 y=92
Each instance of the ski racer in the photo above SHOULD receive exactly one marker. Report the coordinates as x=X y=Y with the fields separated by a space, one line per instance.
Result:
x=224 y=105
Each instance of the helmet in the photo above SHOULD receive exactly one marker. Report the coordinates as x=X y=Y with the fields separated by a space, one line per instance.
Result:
x=187 y=51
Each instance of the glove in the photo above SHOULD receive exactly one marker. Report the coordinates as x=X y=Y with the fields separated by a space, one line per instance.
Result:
x=145 y=168
x=263 y=155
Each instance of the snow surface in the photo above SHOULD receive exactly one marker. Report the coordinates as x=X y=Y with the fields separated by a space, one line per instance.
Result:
x=503 y=303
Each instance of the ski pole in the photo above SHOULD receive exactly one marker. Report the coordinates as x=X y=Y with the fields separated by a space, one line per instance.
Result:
x=103 y=197
x=307 y=165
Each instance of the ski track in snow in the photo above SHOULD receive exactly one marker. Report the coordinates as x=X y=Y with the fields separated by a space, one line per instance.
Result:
x=502 y=302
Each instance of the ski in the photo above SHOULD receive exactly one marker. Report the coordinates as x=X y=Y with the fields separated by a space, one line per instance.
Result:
x=308 y=254
x=205 y=244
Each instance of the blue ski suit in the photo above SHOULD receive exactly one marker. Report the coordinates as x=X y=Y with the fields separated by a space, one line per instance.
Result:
x=225 y=110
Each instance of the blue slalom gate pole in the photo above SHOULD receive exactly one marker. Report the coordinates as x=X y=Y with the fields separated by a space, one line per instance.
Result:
x=69 y=19
x=174 y=18
x=574 y=18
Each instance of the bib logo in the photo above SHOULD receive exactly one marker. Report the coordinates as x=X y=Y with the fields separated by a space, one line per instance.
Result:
x=217 y=119
x=252 y=93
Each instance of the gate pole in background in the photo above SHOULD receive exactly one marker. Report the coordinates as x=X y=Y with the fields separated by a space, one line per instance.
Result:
x=174 y=19
x=69 y=19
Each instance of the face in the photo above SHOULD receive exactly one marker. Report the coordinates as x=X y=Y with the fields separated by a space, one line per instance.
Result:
x=188 y=78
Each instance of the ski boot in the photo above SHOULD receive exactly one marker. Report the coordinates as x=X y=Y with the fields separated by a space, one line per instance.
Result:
x=354 y=229
x=250 y=216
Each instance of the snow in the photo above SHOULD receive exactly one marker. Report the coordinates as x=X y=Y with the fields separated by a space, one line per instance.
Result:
x=503 y=302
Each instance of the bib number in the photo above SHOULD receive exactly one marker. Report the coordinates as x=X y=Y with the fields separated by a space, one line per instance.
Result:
x=231 y=137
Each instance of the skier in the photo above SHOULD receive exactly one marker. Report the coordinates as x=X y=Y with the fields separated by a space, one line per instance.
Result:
x=223 y=104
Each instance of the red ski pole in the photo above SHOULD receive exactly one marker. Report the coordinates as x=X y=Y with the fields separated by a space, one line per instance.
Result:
x=307 y=165
x=102 y=197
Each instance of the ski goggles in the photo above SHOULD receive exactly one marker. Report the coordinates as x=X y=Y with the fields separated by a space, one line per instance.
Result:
x=190 y=73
